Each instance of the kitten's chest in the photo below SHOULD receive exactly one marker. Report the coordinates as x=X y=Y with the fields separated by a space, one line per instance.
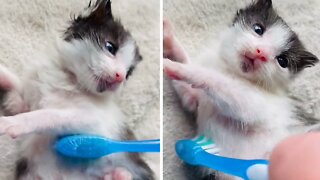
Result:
x=235 y=138
x=256 y=145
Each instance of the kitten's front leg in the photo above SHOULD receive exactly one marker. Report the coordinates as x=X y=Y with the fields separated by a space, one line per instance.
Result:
x=173 y=50
x=12 y=101
x=236 y=99
x=184 y=72
x=45 y=119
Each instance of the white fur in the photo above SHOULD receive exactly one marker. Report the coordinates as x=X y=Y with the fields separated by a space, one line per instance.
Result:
x=236 y=40
x=126 y=52
x=86 y=61
x=62 y=98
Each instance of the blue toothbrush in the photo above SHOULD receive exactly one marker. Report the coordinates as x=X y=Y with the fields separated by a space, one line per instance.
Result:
x=90 y=146
x=204 y=152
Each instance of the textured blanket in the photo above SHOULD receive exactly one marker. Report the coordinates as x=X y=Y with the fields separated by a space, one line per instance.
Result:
x=27 y=27
x=194 y=22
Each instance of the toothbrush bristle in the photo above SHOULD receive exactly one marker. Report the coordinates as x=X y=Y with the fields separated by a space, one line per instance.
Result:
x=198 y=138
x=210 y=146
x=213 y=151
x=206 y=144
x=203 y=142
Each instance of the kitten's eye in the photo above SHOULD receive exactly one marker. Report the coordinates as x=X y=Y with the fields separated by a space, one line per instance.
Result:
x=283 y=62
x=258 y=29
x=111 y=48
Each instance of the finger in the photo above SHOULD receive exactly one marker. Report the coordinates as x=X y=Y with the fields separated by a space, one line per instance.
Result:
x=296 y=158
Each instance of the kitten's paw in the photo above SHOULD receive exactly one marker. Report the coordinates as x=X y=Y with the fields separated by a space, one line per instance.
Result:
x=186 y=73
x=188 y=95
x=9 y=127
x=4 y=125
x=171 y=70
x=118 y=174
x=121 y=174
x=191 y=102
x=16 y=131
x=5 y=83
x=13 y=104
x=7 y=79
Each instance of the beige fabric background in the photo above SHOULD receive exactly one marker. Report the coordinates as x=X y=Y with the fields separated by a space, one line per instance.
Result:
x=197 y=20
x=27 y=27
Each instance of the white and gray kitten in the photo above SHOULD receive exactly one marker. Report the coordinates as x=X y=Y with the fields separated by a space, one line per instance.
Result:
x=71 y=91
x=238 y=87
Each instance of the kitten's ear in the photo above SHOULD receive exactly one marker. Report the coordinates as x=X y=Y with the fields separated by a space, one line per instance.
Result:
x=306 y=59
x=263 y=4
x=137 y=55
x=236 y=17
x=103 y=9
x=240 y=11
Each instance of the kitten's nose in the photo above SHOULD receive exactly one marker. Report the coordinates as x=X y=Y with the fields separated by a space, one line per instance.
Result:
x=260 y=55
x=118 y=77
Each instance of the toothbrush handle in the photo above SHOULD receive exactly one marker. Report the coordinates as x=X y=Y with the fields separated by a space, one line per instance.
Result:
x=139 y=146
x=230 y=166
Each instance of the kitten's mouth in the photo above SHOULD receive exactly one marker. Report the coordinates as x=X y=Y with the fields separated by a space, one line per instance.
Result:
x=104 y=84
x=248 y=64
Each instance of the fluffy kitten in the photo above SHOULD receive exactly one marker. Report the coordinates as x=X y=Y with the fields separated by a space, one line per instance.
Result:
x=71 y=91
x=239 y=90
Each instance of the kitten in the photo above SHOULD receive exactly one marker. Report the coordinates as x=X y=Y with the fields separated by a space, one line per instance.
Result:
x=72 y=91
x=239 y=89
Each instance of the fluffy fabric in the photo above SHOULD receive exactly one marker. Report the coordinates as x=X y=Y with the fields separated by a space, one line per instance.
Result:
x=195 y=21
x=30 y=26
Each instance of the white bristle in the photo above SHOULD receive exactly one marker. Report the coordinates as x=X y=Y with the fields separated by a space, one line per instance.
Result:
x=195 y=138
x=213 y=151
x=209 y=146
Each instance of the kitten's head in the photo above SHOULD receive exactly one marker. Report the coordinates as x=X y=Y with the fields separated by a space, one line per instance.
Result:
x=261 y=47
x=97 y=49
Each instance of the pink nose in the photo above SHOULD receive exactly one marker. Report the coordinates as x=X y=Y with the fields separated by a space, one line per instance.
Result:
x=260 y=55
x=118 y=77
